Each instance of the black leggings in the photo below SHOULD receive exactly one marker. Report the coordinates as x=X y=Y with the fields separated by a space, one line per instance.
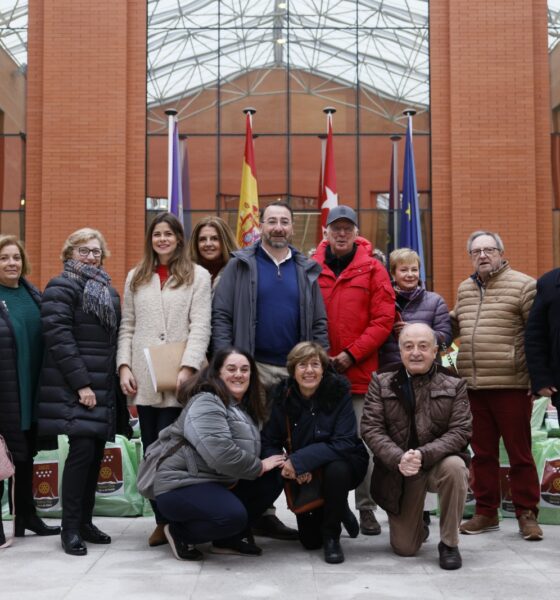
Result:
x=338 y=479
x=152 y=421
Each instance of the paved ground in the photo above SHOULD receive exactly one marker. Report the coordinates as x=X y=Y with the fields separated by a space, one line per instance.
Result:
x=495 y=565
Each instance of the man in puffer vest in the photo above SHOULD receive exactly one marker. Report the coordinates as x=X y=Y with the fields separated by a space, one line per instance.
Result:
x=490 y=317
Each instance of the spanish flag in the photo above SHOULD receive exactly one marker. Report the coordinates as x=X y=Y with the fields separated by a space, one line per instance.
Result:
x=248 y=217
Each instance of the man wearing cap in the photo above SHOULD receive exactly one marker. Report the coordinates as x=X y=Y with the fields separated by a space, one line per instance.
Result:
x=360 y=304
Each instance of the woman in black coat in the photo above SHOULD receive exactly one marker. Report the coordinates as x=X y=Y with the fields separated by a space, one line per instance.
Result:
x=542 y=339
x=78 y=393
x=20 y=363
x=317 y=403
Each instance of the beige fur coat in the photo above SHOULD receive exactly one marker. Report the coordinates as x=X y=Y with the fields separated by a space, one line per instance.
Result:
x=153 y=316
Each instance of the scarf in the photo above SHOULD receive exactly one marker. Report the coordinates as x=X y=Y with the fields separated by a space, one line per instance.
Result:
x=97 y=298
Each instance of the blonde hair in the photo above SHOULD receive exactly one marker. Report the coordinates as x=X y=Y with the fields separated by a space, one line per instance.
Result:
x=11 y=240
x=180 y=265
x=228 y=242
x=303 y=352
x=81 y=236
x=402 y=255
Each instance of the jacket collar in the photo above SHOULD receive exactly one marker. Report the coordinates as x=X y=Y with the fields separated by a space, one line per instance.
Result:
x=493 y=275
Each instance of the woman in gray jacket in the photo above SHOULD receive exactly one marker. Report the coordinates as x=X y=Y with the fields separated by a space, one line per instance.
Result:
x=215 y=485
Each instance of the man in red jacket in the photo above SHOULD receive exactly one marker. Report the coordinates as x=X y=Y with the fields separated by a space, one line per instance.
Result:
x=360 y=305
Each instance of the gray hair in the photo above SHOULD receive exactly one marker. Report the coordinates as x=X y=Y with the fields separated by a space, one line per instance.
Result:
x=409 y=325
x=476 y=234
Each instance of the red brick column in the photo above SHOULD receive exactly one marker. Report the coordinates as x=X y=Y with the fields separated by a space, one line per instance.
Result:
x=86 y=126
x=490 y=108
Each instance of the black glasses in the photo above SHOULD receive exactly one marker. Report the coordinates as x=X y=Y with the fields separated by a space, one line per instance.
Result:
x=84 y=251
x=487 y=251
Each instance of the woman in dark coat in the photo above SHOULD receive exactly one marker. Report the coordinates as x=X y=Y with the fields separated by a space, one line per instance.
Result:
x=318 y=405
x=20 y=362
x=78 y=397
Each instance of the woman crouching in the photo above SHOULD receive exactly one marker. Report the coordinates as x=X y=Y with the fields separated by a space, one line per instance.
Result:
x=317 y=404
x=215 y=485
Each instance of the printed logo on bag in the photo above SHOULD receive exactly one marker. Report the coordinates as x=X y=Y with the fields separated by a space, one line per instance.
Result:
x=550 y=483
x=45 y=485
x=110 y=478
x=505 y=485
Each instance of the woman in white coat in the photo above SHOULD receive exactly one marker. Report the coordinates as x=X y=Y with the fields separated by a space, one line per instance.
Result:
x=167 y=298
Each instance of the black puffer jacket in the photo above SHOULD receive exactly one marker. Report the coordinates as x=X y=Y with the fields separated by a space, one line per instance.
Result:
x=79 y=352
x=10 y=410
x=323 y=427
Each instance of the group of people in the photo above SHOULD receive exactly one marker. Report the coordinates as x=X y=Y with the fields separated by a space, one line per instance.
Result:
x=293 y=368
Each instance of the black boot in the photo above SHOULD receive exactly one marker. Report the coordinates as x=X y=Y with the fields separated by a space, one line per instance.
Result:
x=72 y=542
x=333 y=551
x=35 y=524
x=90 y=533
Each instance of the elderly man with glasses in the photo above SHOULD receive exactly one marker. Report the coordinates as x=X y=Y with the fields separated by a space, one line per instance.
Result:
x=490 y=317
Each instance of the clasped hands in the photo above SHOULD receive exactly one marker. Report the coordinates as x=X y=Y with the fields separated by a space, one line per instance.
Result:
x=288 y=471
x=411 y=463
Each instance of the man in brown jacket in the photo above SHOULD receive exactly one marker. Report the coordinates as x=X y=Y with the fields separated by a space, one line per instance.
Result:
x=490 y=316
x=417 y=422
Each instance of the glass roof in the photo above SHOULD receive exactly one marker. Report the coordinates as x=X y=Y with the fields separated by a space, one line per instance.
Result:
x=553 y=23
x=13 y=29
x=382 y=45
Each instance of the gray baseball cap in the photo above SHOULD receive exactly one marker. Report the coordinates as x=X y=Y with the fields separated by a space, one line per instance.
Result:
x=342 y=212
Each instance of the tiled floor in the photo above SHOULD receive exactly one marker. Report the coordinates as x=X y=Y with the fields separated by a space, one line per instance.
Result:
x=496 y=565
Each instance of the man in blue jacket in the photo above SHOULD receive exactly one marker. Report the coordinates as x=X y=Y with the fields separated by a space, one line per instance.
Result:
x=267 y=301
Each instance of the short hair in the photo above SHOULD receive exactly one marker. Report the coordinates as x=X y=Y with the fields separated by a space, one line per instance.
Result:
x=227 y=239
x=409 y=325
x=209 y=380
x=81 y=236
x=402 y=255
x=11 y=240
x=476 y=234
x=281 y=204
x=303 y=352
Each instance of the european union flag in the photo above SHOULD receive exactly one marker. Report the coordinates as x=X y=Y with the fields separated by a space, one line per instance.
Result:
x=411 y=232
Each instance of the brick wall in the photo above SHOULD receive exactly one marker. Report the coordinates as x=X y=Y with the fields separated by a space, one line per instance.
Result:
x=490 y=109
x=86 y=129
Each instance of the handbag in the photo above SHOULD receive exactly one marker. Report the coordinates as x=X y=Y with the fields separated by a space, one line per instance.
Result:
x=304 y=497
x=164 y=363
x=7 y=468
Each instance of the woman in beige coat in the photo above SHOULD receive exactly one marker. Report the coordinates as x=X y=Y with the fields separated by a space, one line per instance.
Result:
x=167 y=298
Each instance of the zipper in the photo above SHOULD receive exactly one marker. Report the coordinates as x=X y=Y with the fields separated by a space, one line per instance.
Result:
x=482 y=293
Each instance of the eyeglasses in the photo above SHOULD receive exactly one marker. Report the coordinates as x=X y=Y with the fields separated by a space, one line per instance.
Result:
x=487 y=251
x=84 y=251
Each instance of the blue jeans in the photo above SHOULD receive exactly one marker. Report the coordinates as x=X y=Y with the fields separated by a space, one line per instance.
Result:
x=205 y=512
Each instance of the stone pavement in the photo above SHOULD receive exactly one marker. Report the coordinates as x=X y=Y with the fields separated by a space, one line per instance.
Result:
x=496 y=565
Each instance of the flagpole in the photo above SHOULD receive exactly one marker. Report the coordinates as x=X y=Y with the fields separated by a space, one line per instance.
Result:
x=330 y=196
x=171 y=115
x=394 y=191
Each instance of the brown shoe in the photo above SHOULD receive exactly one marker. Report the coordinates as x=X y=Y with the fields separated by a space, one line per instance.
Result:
x=480 y=524
x=528 y=526
x=368 y=523
x=158 y=536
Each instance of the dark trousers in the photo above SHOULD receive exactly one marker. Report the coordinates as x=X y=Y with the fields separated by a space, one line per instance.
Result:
x=338 y=479
x=23 y=492
x=205 y=512
x=152 y=421
x=505 y=413
x=79 y=480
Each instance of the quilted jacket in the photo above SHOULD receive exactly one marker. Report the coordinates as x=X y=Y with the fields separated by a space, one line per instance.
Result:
x=491 y=324
x=223 y=446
